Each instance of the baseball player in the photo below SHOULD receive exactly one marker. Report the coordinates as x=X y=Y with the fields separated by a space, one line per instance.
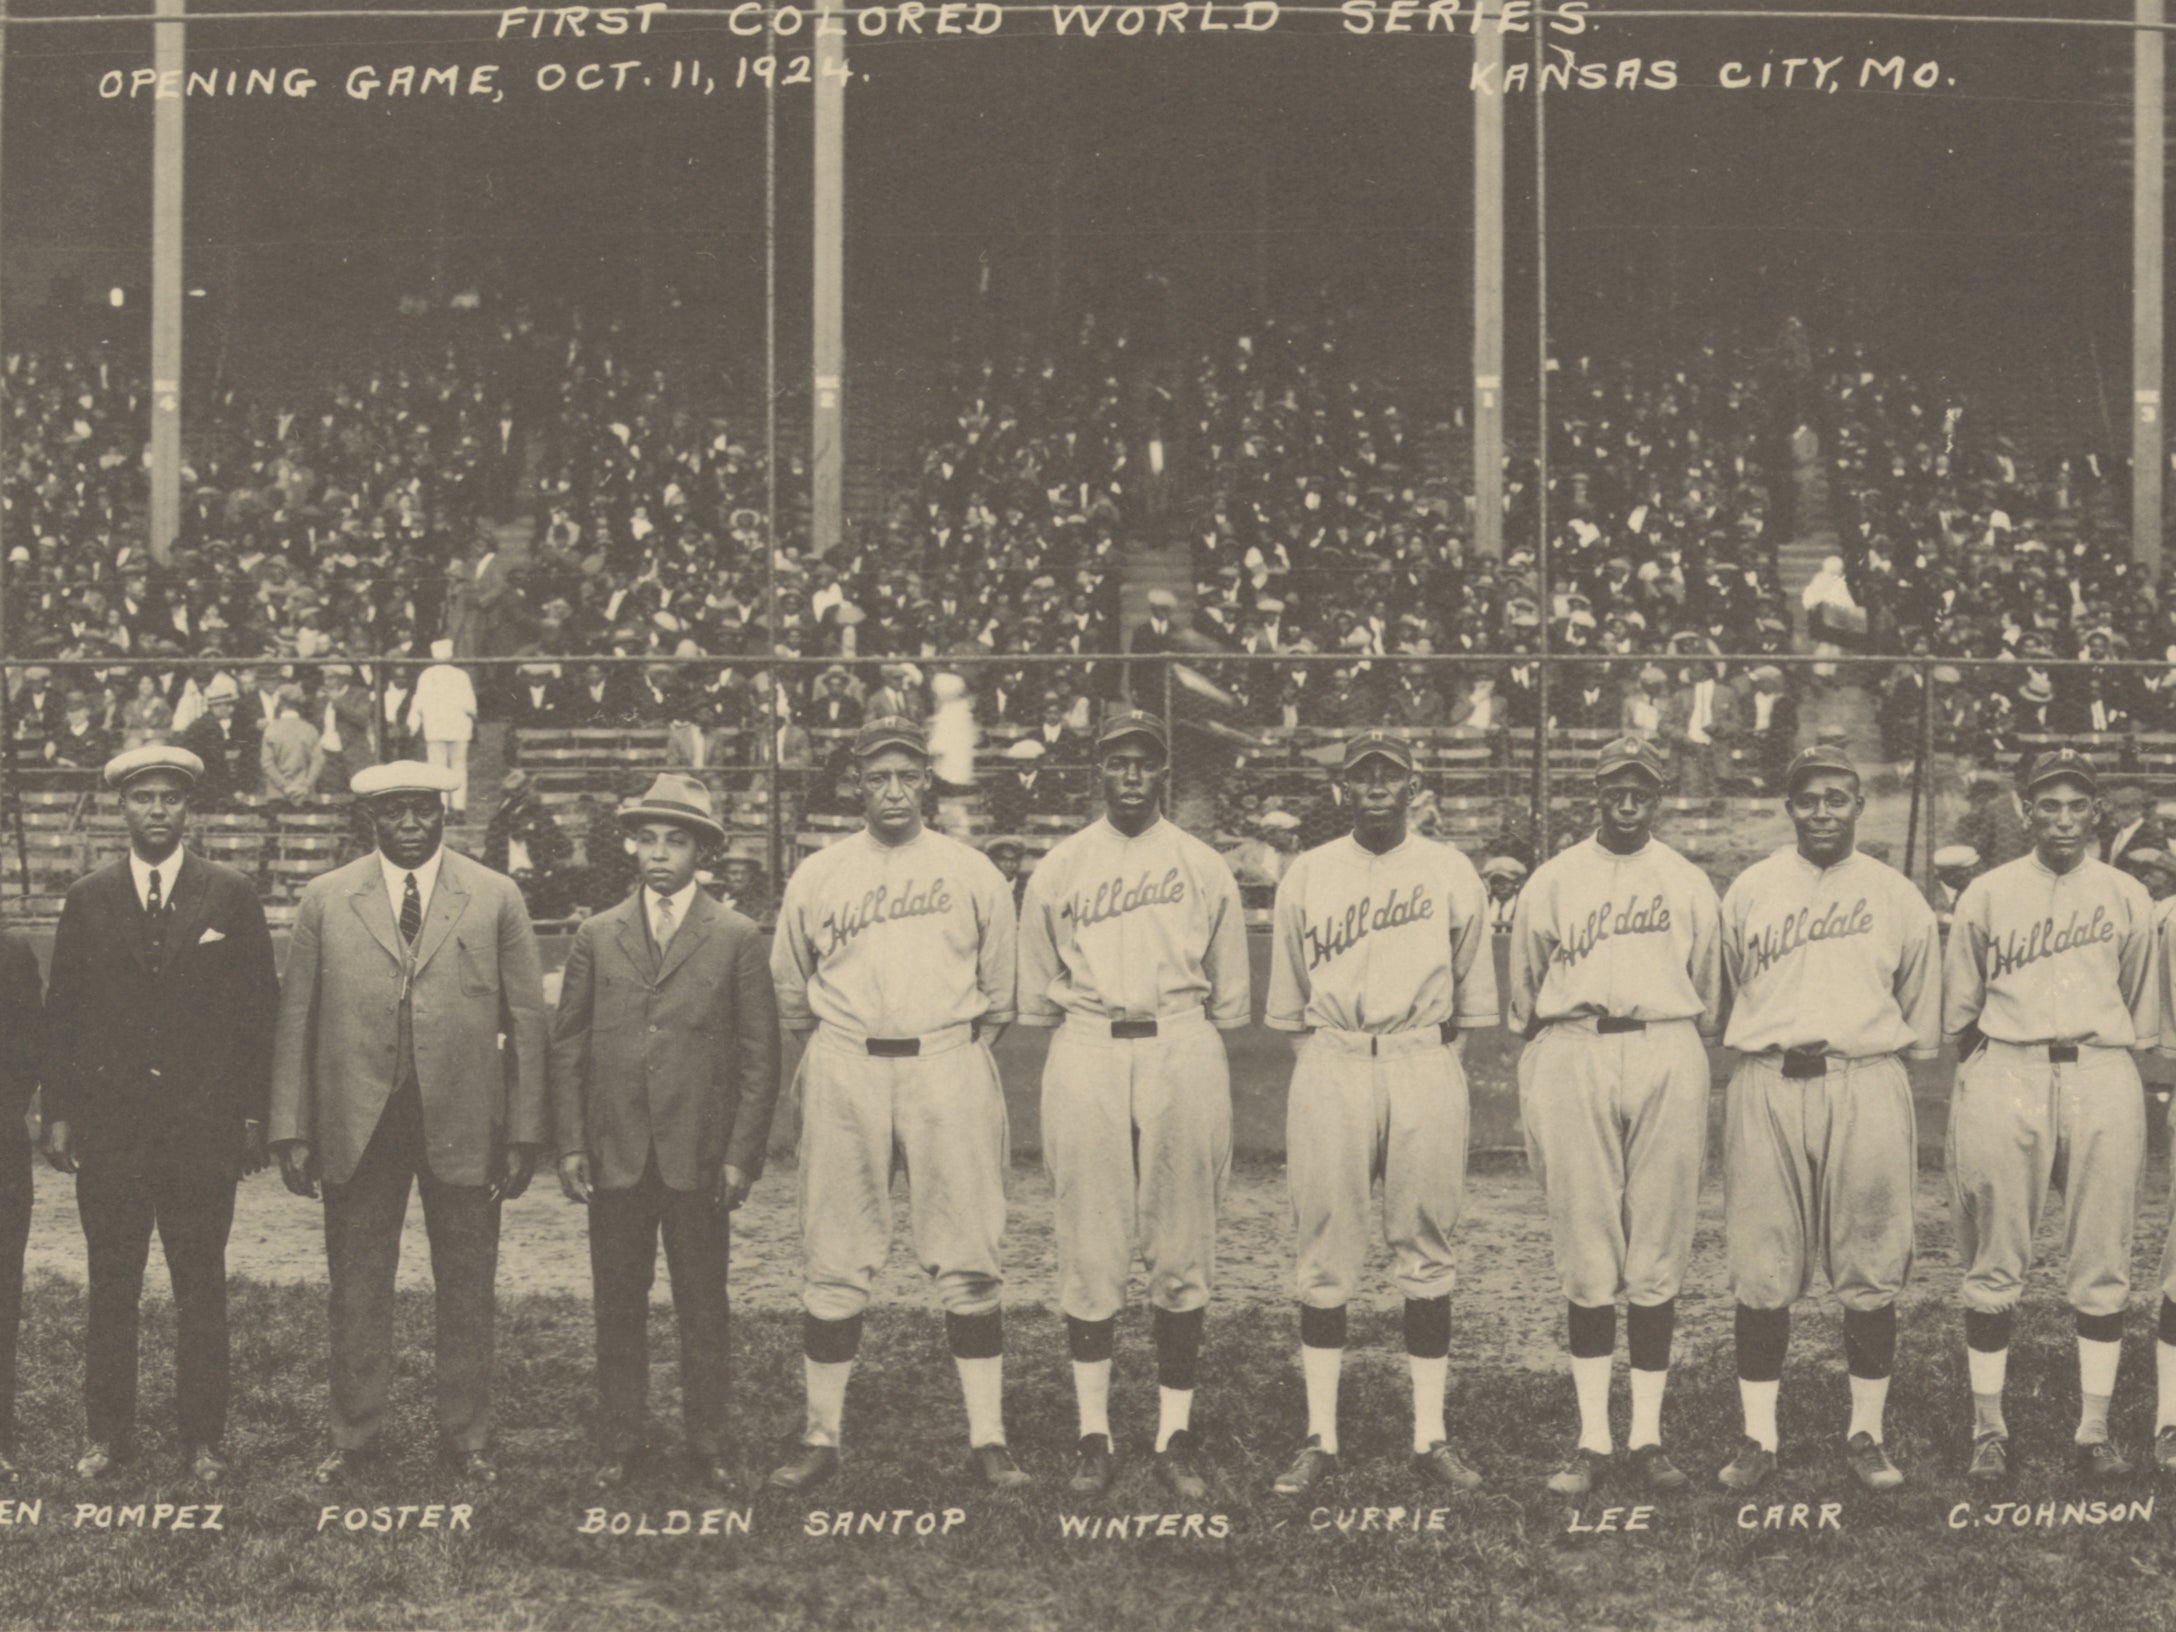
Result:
x=895 y=949
x=1380 y=952
x=1133 y=943
x=2049 y=983
x=2164 y=1350
x=1834 y=966
x=1616 y=972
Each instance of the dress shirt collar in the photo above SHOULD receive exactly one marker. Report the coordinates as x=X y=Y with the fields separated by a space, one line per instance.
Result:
x=169 y=872
x=681 y=900
x=396 y=880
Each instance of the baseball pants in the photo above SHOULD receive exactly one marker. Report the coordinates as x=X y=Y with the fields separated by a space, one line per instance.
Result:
x=2168 y=1247
x=2013 y=1116
x=1819 y=1170
x=1617 y=1128
x=1137 y=1136
x=943 y=1112
x=1364 y=1106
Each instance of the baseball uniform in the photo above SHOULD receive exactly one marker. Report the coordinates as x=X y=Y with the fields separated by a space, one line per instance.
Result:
x=1136 y=948
x=2057 y=974
x=1615 y=972
x=1834 y=973
x=895 y=955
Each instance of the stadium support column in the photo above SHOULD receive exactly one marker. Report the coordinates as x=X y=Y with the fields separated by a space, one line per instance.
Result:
x=2149 y=48
x=827 y=454
x=168 y=51
x=1488 y=281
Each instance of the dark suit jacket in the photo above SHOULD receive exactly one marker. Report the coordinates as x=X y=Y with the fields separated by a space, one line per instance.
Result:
x=556 y=709
x=680 y=1056
x=220 y=781
x=203 y=1022
x=22 y=1034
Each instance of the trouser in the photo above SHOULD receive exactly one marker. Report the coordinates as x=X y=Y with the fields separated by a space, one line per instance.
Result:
x=363 y=1220
x=15 y=1200
x=1616 y=1128
x=121 y=1197
x=624 y=1226
x=1360 y=1107
x=2014 y=1115
x=943 y=1112
x=2168 y=1247
x=1137 y=1135
x=1819 y=1170
x=454 y=756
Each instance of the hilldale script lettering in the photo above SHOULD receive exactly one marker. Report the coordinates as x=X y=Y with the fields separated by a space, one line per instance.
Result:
x=1346 y=930
x=2044 y=940
x=1606 y=922
x=882 y=906
x=1114 y=898
x=1794 y=932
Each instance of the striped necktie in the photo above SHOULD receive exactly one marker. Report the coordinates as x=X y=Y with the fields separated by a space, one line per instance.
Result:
x=411 y=912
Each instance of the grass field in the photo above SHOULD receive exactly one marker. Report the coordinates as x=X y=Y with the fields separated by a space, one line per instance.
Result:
x=1505 y=1557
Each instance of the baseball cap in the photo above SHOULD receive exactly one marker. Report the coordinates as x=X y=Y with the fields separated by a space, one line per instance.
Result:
x=1132 y=722
x=1820 y=757
x=2056 y=762
x=1382 y=745
x=890 y=731
x=1956 y=855
x=1629 y=751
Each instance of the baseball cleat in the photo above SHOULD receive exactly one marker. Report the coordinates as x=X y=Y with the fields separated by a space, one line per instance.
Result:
x=2100 y=1460
x=1870 y=1463
x=1440 y=1465
x=810 y=1465
x=1652 y=1463
x=1990 y=1463
x=1091 y=1465
x=1308 y=1469
x=2164 y=1450
x=995 y=1467
x=1581 y=1472
x=1749 y=1469
x=1175 y=1469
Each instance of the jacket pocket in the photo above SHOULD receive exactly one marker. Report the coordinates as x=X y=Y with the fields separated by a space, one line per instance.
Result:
x=476 y=978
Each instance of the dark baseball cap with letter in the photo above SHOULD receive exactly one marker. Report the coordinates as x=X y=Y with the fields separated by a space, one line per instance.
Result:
x=1132 y=722
x=890 y=731
x=2054 y=762
x=1820 y=757
x=1633 y=753
x=1379 y=745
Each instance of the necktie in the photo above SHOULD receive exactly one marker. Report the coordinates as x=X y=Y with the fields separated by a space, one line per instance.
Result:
x=664 y=922
x=411 y=911
x=155 y=909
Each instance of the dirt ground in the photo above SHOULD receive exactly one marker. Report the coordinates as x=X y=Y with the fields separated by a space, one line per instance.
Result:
x=1507 y=1308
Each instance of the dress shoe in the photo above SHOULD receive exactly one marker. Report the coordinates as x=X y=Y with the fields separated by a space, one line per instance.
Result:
x=1091 y=1466
x=1177 y=1468
x=994 y=1466
x=809 y=1465
x=99 y=1461
x=208 y=1465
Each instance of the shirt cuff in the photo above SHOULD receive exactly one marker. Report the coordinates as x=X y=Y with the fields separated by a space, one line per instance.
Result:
x=1278 y=1022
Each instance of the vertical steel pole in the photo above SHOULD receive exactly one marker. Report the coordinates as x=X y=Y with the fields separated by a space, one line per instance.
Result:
x=7 y=697
x=1542 y=787
x=1922 y=805
x=775 y=818
x=2148 y=152
x=169 y=55
x=827 y=455
x=1488 y=282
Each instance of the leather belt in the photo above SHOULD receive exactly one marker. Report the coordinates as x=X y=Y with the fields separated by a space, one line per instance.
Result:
x=2062 y=1053
x=1132 y=1030
x=1448 y=1031
x=1801 y=1064
x=893 y=1048
x=1609 y=1024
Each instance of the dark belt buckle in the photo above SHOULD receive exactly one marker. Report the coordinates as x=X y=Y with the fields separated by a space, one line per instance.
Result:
x=1799 y=1064
x=893 y=1048
x=2062 y=1053
x=1610 y=1024
x=1132 y=1030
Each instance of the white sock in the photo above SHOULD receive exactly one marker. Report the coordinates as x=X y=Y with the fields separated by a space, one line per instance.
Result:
x=1174 y=1413
x=982 y=1384
x=1869 y=1399
x=1320 y=1367
x=1759 y=1402
x=2098 y=1363
x=826 y=1399
x=2164 y=1360
x=1988 y=1368
x=1590 y=1379
x=1429 y=1375
x=1092 y=1388
x=1647 y=1389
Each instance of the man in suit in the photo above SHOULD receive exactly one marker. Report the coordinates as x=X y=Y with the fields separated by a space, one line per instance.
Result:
x=404 y=970
x=22 y=998
x=1699 y=721
x=2128 y=824
x=540 y=701
x=159 y=1052
x=221 y=742
x=663 y=1074
x=833 y=708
